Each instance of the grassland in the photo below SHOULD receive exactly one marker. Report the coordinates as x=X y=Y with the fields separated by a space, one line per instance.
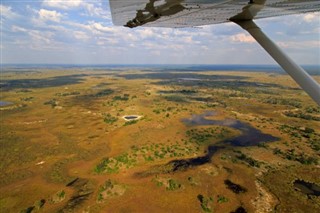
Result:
x=66 y=148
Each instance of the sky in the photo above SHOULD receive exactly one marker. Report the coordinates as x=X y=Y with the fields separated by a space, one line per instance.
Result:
x=81 y=32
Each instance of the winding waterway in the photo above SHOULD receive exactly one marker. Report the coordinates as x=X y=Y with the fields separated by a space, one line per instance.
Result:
x=250 y=136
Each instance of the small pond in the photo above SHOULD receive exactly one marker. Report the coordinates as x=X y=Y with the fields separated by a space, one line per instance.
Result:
x=131 y=117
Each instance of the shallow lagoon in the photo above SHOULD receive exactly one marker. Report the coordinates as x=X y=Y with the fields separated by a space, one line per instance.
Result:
x=250 y=136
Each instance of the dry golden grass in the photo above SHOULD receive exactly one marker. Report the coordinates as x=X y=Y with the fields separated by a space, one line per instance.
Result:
x=60 y=135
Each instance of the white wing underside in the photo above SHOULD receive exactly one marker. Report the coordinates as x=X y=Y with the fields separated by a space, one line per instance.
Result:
x=189 y=13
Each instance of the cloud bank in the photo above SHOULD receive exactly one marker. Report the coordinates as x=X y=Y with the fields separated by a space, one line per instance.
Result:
x=77 y=31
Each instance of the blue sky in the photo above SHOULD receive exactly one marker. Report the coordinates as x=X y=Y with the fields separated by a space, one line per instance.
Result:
x=81 y=32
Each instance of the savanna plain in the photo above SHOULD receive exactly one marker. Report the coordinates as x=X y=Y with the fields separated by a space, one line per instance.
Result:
x=157 y=140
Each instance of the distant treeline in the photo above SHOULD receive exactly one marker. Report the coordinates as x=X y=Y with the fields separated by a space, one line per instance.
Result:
x=311 y=69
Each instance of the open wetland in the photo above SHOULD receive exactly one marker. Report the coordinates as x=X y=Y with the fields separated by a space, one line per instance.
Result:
x=85 y=140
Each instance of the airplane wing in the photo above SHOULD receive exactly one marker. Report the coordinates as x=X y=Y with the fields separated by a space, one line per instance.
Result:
x=189 y=13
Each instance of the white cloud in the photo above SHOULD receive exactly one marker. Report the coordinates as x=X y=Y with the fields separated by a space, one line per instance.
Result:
x=48 y=15
x=93 y=10
x=41 y=37
x=299 y=44
x=6 y=12
x=310 y=17
x=99 y=27
x=189 y=40
x=65 y=4
x=107 y=40
x=81 y=35
x=15 y=28
x=62 y=27
x=242 y=37
x=146 y=32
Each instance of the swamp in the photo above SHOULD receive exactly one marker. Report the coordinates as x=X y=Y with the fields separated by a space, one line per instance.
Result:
x=157 y=140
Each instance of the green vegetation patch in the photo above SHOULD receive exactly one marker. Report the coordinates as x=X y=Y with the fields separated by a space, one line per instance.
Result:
x=58 y=197
x=222 y=199
x=315 y=144
x=299 y=133
x=113 y=165
x=302 y=115
x=109 y=119
x=103 y=93
x=292 y=131
x=183 y=91
x=312 y=110
x=205 y=203
x=52 y=102
x=110 y=189
x=143 y=154
x=281 y=101
x=249 y=160
x=166 y=110
x=292 y=155
x=173 y=185
x=204 y=136
x=63 y=94
x=130 y=122
x=125 y=97
x=169 y=183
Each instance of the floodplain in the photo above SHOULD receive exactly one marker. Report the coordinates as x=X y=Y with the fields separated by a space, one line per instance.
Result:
x=130 y=139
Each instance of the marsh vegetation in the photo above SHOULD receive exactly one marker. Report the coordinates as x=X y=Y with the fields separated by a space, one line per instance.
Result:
x=206 y=141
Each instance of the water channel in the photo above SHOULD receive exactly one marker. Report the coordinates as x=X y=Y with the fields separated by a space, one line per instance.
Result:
x=250 y=136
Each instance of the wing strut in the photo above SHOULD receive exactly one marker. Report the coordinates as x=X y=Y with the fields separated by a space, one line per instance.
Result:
x=306 y=82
